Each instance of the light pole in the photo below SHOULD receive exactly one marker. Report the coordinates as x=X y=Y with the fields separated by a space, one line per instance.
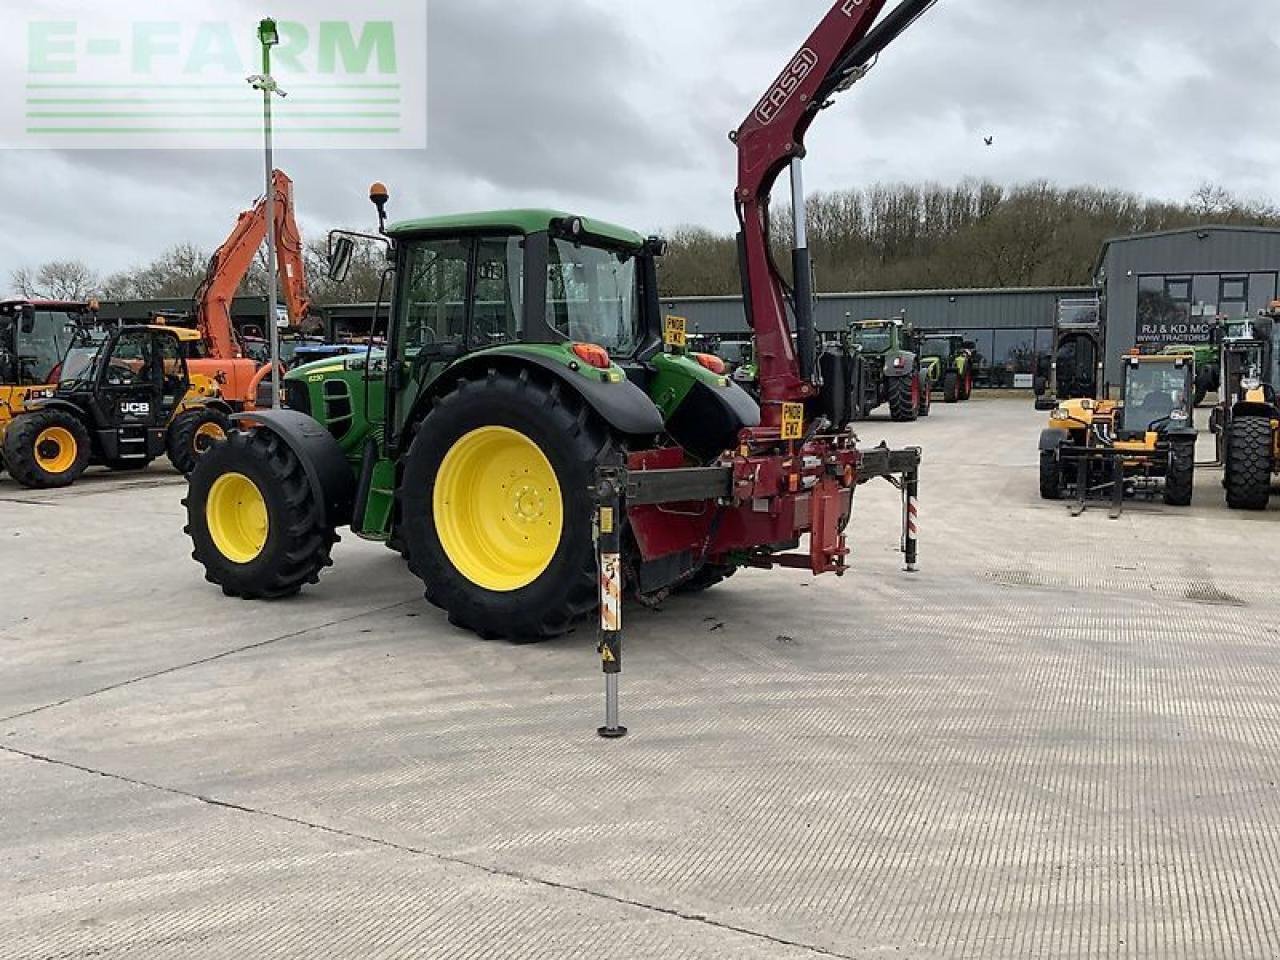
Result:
x=269 y=36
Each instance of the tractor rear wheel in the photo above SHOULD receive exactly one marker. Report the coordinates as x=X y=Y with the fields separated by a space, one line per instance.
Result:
x=46 y=449
x=496 y=508
x=1249 y=463
x=966 y=386
x=192 y=434
x=925 y=397
x=951 y=387
x=258 y=528
x=1050 y=475
x=1180 y=482
x=904 y=399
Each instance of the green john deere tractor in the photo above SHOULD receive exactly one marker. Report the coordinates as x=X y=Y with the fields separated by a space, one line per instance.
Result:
x=526 y=349
x=949 y=360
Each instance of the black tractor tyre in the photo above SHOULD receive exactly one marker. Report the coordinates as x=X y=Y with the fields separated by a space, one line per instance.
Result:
x=904 y=407
x=574 y=441
x=926 y=397
x=184 y=441
x=966 y=386
x=1051 y=485
x=1249 y=463
x=22 y=449
x=951 y=388
x=710 y=575
x=299 y=542
x=1180 y=481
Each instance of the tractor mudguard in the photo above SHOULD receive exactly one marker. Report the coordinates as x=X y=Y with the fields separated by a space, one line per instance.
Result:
x=1053 y=439
x=623 y=406
x=907 y=369
x=1250 y=409
x=332 y=480
x=1182 y=433
x=55 y=404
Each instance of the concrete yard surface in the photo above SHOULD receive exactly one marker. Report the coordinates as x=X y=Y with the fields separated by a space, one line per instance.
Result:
x=1060 y=739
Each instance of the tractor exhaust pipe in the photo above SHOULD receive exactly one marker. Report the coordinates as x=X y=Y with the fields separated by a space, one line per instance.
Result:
x=802 y=269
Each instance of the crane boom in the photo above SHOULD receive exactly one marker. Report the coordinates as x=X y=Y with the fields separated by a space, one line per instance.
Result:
x=769 y=140
x=231 y=263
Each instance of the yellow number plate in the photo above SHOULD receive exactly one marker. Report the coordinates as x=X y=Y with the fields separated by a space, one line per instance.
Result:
x=676 y=332
x=793 y=421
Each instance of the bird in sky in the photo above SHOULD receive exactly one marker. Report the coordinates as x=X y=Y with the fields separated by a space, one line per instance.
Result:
x=990 y=141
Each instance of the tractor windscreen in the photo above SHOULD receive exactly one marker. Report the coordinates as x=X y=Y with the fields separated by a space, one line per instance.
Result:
x=873 y=339
x=40 y=349
x=937 y=349
x=593 y=297
x=80 y=362
x=1155 y=392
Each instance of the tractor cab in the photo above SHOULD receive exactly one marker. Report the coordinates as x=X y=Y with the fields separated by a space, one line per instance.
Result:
x=1074 y=370
x=572 y=299
x=34 y=334
x=132 y=379
x=1156 y=396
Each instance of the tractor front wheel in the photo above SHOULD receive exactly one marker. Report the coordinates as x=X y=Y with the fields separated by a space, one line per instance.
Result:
x=904 y=399
x=1249 y=463
x=257 y=527
x=496 y=506
x=951 y=387
x=1180 y=482
x=193 y=434
x=46 y=449
x=1050 y=475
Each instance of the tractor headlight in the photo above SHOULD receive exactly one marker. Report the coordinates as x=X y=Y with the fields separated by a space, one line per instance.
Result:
x=1061 y=414
x=1180 y=415
x=1251 y=383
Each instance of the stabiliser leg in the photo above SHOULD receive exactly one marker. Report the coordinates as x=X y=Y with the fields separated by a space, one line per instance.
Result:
x=609 y=565
x=911 y=521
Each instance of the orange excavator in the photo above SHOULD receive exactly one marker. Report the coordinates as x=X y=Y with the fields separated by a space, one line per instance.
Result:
x=221 y=355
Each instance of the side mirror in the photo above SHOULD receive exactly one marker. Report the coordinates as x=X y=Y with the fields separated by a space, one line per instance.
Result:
x=28 y=318
x=340 y=256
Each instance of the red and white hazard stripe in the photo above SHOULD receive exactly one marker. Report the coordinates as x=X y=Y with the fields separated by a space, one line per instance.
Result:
x=611 y=593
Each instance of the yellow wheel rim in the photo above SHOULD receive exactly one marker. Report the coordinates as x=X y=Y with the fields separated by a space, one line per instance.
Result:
x=207 y=435
x=498 y=510
x=56 y=450
x=236 y=514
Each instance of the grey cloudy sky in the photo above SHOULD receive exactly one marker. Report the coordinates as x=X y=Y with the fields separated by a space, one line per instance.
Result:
x=621 y=111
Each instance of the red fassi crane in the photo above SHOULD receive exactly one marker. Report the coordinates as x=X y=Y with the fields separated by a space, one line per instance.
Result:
x=231 y=264
x=836 y=56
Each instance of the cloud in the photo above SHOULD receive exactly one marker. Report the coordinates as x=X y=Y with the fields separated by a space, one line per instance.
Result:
x=622 y=111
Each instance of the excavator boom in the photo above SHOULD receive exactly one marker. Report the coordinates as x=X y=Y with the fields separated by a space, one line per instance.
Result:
x=231 y=264
x=771 y=139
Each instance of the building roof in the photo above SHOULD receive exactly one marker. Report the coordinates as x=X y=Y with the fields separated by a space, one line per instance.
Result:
x=519 y=221
x=1204 y=229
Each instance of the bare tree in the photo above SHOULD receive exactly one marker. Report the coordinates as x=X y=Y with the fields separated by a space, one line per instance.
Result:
x=57 y=280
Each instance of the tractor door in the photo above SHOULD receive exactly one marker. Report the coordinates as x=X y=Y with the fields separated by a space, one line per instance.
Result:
x=132 y=389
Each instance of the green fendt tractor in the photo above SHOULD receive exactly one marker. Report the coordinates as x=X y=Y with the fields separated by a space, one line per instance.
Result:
x=950 y=361
x=526 y=349
x=891 y=369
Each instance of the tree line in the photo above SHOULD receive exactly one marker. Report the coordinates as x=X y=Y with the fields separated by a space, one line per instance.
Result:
x=883 y=237
x=975 y=234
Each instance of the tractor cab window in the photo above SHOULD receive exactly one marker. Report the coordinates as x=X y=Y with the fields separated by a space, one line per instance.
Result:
x=499 y=297
x=81 y=361
x=873 y=339
x=40 y=349
x=173 y=366
x=939 y=349
x=436 y=295
x=1153 y=392
x=593 y=296
x=133 y=361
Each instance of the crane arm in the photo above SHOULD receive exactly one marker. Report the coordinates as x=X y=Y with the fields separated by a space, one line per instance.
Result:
x=232 y=261
x=772 y=138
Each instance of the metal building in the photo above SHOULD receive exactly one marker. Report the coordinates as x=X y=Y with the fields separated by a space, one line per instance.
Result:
x=1166 y=288
x=1011 y=327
